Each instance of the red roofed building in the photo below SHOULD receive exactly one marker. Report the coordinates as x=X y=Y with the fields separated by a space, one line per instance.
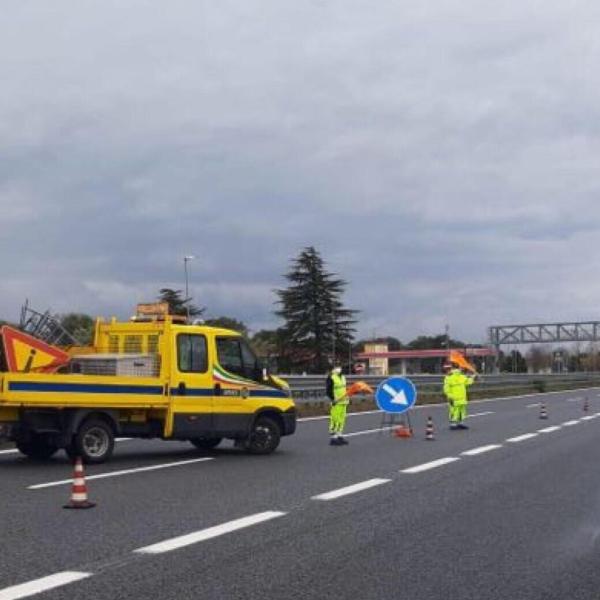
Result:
x=411 y=361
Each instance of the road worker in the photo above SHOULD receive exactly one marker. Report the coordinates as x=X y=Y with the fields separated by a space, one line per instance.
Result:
x=455 y=390
x=336 y=392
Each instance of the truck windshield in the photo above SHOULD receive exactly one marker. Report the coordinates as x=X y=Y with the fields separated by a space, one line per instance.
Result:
x=236 y=356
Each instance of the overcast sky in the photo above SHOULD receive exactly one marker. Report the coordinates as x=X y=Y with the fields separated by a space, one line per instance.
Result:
x=443 y=156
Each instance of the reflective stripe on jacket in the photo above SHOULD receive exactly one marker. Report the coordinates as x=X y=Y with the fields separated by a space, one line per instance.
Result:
x=455 y=386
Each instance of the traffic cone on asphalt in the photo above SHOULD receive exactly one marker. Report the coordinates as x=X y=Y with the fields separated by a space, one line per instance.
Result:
x=543 y=412
x=586 y=405
x=429 y=435
x=403 y=431
x=79 y=497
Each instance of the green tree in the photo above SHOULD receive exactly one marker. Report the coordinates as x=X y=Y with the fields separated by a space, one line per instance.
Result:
x=269 y=346
x=513 y=362
x=265 y=342
x=79 y=325
x=228 y=323
x=317 y=325
x=177 y=304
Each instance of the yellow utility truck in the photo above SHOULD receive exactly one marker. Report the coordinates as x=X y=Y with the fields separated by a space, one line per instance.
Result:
x=153 y=377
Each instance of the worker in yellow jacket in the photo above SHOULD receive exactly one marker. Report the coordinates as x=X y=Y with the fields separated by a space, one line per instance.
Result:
x=455 y=390
x=336 y=391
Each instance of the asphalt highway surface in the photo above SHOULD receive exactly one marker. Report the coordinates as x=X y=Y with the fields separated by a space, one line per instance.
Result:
x=509 y=509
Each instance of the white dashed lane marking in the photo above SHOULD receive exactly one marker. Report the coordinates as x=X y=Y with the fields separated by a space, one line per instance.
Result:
x=481 y=450
x=522 y=438
x=37 y=586
x=210 y=533
x=351 y=489
x=549 y=429
x=430 y=465
x=570 y=423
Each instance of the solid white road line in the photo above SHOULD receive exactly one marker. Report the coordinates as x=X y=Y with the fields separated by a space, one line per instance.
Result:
x=481 y=414
x=379 y=429
x=356 y=414
x=522 y=438
x=570 y=423
x=351 y=489
x=588 y=418
x=481 y=450
x=533 y=405
x=44 y=584
x=15 y=451
x=549 y=429
x=430 y=465
x=211 y=532
x=574 y=399
x=180 y=463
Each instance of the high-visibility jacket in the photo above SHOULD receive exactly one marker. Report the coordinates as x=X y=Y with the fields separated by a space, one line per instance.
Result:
x=339 y=388
x=455 y=386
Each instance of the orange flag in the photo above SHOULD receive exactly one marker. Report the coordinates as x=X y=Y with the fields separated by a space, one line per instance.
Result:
x=458 y=359
x=360 y=387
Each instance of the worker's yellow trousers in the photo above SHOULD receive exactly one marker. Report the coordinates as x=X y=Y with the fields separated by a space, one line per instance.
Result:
x=337 y=418
x=457 y=412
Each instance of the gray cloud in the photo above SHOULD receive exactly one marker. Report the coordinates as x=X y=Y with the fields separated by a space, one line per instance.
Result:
x=444 y=158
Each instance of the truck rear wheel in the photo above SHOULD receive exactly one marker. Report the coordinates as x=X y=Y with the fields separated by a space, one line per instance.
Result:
x=94 y=442
x=264 y=437
x=37 y=448
x=206 y=443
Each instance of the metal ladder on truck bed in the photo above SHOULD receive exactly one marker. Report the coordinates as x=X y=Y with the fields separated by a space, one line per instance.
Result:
x=45 y=327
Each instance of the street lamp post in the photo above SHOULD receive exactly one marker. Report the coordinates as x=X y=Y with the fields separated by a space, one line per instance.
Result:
x=187 y=259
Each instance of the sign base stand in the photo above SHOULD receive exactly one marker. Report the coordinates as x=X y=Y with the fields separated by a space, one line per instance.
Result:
x=393 y=420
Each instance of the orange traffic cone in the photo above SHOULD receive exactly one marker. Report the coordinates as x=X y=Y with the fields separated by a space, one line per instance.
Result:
x=79 y=497
x=543 y=412
x=586 y=405
x=403 y=431
x=429 y=436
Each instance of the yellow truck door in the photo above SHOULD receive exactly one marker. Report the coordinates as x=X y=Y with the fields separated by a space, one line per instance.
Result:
x=191 y=387
x=238 y=379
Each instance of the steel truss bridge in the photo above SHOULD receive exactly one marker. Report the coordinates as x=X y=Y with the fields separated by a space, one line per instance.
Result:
x=587 y=331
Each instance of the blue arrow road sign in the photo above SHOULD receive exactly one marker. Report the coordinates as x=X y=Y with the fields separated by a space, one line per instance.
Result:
x=396 y=395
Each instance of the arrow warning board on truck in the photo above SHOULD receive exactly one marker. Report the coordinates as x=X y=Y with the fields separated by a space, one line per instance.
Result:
x=24 y=353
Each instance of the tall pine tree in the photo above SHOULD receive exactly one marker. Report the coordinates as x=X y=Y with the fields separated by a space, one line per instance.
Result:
x=317 y=326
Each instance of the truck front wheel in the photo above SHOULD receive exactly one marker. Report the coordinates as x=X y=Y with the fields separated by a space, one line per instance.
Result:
x=264 y=437
x=94 y=442
x=37 y=448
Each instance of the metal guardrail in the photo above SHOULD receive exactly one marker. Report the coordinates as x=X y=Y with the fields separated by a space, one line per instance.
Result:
x=311 y=388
